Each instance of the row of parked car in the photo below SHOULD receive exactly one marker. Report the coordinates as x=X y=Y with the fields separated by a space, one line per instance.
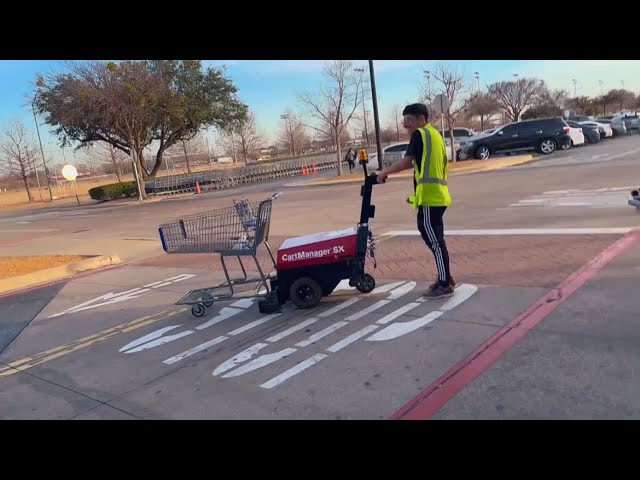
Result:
x=542 y=135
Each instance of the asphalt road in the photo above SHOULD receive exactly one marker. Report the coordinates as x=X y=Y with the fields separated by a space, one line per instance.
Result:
x=113 y=344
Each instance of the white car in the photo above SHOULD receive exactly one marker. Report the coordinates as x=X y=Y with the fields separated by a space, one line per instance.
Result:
x=605 y=129
x=577 y=138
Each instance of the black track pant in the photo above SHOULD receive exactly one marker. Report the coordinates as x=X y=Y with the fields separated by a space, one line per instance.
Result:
x=431 y=228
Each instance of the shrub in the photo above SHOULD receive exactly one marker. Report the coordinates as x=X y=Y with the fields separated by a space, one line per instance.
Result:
x=113 y=191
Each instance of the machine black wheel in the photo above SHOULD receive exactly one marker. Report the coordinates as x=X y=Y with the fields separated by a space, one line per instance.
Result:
x=305 y=293
x=197 y=310
x=366 y=284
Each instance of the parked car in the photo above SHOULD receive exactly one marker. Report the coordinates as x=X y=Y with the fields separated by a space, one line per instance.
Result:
x=616 y=123
x=630 y=120
x=577 y=137
x=604 y=128
x=590 y=132
x=544 y=135
x=394 y=152
x=579 y=118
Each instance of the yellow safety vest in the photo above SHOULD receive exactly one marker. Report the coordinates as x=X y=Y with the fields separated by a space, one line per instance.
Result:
x=431 y=180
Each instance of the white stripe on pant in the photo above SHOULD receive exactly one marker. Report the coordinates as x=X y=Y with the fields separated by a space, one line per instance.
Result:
x=442 y=274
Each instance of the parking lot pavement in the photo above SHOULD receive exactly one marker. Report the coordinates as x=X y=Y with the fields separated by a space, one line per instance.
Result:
x=114 y=345
x=355 y=356
x=580 y=362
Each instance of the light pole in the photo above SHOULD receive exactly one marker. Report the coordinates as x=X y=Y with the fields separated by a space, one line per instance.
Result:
x=376 y=119
x=601 y=90
x=427 y=74
x=575 y=83
x=44 y=161
x=360 y=70
x=477 y=77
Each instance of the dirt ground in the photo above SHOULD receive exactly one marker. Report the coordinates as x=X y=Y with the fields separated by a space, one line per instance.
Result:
x=14 y=266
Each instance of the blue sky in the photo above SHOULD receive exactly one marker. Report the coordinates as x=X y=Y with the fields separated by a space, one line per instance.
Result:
x=269 y=87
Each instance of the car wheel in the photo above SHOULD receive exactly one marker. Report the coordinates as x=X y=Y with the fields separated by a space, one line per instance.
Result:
x=547 y=146
x=567 y=147
x=483 y=153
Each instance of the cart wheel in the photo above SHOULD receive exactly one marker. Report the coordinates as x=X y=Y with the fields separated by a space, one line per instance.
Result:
x=197 y=310
x=207 y=304
x=367 y=284
x=305 y=293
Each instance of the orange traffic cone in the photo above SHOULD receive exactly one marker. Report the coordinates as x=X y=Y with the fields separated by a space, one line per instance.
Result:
x=314 y=170
x=197 y=187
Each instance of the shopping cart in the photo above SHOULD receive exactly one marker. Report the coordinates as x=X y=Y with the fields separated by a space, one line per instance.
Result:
x=235 y=231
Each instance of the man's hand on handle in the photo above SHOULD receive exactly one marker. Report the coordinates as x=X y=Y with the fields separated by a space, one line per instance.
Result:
x=382 y=176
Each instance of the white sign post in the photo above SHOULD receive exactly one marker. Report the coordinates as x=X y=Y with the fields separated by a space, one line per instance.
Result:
x=70 y=173
x=440 y=105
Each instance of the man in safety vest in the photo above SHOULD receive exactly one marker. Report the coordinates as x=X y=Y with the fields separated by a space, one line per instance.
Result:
x=427 y=154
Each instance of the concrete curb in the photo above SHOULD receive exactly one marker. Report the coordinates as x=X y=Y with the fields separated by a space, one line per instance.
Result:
x=466 y=169
x=48 y=275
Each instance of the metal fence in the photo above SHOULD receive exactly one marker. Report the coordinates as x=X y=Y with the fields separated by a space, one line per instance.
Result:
x=221 y=179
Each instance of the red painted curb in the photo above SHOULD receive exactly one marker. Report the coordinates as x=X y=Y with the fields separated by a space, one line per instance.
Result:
x=424 y=405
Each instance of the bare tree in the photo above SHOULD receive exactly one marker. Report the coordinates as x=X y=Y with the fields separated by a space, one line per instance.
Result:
x=243 y=138
x=483 y=105
x=334 y=106
x=16 y=146
x=396 y=120
x=293 y=135
x=451 y=82
x=515 y=96
x=106 y=154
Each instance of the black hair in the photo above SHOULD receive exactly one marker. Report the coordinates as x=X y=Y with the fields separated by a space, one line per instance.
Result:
x=416 y=109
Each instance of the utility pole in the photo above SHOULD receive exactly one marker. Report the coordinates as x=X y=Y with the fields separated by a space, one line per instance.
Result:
x=575 y=83
x=44 y=161
x=376 y=119
x=360 y=70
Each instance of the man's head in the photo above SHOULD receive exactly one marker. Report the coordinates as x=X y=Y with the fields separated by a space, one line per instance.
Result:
x=415 y=116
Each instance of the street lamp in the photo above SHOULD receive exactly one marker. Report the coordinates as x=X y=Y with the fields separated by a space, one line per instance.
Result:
x=427 y=74
x=287 y=125
x=360 y=70
x=376 y=119
x=575 y=83
x=44 y=161
x=477 y=77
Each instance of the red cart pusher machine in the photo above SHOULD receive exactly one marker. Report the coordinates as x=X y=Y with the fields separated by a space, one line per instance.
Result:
x=310 y=267
x=307 y=268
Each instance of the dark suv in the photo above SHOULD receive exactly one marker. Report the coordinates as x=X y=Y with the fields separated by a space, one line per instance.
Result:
x=544 y=135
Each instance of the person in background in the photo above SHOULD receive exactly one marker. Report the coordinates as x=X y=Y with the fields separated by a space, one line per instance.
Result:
x=427 y=154
x=350 y=157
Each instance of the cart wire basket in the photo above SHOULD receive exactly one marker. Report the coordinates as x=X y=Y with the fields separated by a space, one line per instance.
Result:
x=235 y=231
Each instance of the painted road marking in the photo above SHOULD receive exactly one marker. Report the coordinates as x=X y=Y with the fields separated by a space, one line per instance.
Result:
x=289 y=331
x=391 y=332
x=194 y=350
x=261 y=361
x=148 y=338
x=400 y=329
x=321 y=334
x=520 y=231
x=160 y=341
x=224 y=314
x=401 y=311
x=268 y=359
x=242 y=357
x=302 y=366
x=339 y=307
x=29 y=362
x=351 y=338
x=254 y=324
x=110 y=298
